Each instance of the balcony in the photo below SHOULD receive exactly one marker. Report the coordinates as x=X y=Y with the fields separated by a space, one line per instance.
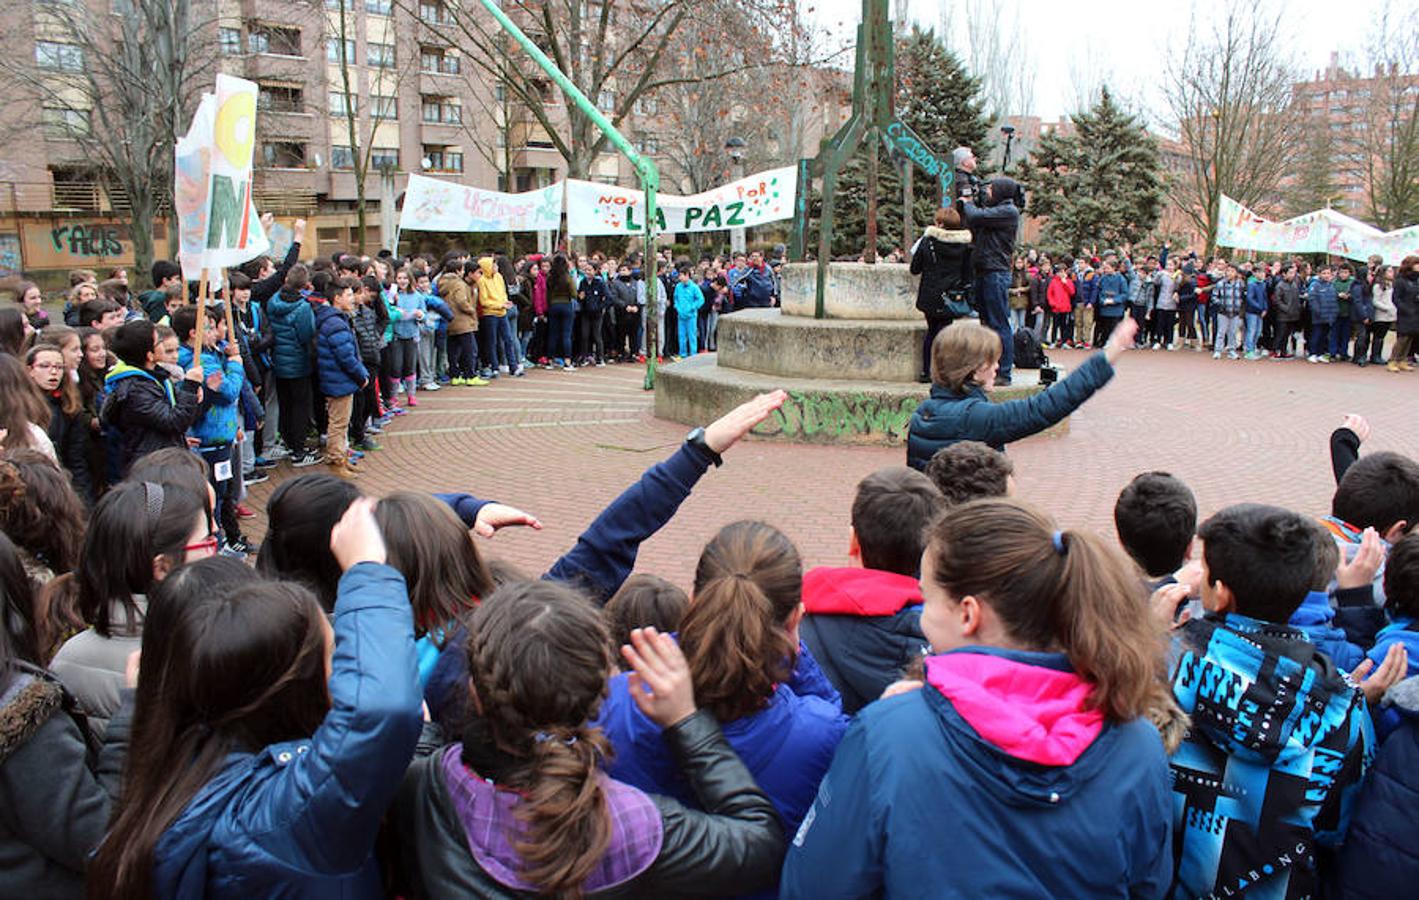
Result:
x=66 y=196
x=536 y=155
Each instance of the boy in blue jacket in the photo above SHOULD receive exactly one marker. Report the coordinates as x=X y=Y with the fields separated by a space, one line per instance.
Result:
x=217 y=425
x=342 y=373
x=1324 y=304
x=1256 y=306
x=688 y=300
x=1316 y=617
x=1280 y=740
x=862 y=623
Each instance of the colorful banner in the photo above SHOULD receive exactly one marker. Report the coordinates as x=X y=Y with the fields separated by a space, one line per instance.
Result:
x=1322 y=231
x=217 y=223
x=606 y=209
x=434 y=205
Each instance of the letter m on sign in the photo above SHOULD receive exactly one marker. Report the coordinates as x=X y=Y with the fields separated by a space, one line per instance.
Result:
x=226 y=224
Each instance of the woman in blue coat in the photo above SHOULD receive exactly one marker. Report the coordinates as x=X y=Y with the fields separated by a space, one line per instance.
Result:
x=1022 y=764
x=964 y=358
x=740 y=635
x=265 y=751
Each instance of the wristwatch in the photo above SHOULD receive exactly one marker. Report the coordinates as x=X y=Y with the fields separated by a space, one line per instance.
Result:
x=696 y=439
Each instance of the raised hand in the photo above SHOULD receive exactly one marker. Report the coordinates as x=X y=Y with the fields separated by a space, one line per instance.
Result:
x=1121 y=339
x=730 y=428
x=1364 y=565
x=1358 y=424
x=356 y=538
x=660 y=681
x=495 y=516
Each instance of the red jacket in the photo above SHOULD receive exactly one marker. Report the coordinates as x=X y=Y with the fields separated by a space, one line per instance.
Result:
x=1059 y=293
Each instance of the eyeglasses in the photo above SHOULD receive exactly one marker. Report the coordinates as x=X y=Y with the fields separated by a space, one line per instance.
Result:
x=209 y=544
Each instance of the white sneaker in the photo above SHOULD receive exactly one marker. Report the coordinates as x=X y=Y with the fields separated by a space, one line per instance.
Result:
x=502 y=370
x=1231 y=354
x=1217 y=354
x=431 y=386
x=1312 y=358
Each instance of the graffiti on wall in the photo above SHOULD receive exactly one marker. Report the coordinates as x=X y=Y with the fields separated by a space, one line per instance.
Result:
x=9 y=254
x=87 y=240
x=840 y=417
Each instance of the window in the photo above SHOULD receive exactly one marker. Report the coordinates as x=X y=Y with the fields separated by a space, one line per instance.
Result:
x=59 y=57
x=606 y=100
x=343 y=105
x=332 y=51
x=384 y=106
x=500 y=93
x=64 y=122
x=502 y=138
x=335 y=5
x=379 y=7
x=435 y=13
x=341 y=157
x=604 y=179
x=381 y=56
x=442 y=111
x=437 y=61
x=283 y=155
x=646 y=106
x=229 y=41
x=384 y=158
x=279 y=98
x=273 y=40
x=649 y=146
x=444 y=159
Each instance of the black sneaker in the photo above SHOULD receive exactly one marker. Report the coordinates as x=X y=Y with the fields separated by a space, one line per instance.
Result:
x=305 y=459
x=255 y=476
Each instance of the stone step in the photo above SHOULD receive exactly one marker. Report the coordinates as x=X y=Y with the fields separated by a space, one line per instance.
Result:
x=771 y=343
x=698 y=390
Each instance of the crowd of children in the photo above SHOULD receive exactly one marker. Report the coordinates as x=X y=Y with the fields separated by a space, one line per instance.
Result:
x=1217 y=708
x=1282 y=309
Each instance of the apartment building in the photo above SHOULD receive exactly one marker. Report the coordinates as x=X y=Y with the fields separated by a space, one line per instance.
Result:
x=417 y=103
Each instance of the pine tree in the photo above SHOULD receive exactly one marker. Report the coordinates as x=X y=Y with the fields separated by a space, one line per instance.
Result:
x=941 y=102
x=1315 y=185
x=1100 y=185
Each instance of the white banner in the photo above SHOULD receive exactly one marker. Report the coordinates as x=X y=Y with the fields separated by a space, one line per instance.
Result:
x=217 y=223
x=1322 y=231
x=606 y=209
x=431 y=204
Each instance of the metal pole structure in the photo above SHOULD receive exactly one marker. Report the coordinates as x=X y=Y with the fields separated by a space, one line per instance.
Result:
x=649 y=174
x=388 y=223
x=908 y=201
x=869 y=253
x=735 y=146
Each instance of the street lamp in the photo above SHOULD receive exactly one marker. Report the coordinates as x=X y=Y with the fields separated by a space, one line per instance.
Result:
x=1009 y=132
x=735 y=147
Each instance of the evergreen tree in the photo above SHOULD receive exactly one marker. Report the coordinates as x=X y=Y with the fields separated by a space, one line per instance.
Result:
x=1100 y=185
x=941 y=102
x=1315 y=184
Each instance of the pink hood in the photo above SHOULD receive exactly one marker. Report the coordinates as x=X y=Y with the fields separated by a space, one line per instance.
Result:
x=1030 y=712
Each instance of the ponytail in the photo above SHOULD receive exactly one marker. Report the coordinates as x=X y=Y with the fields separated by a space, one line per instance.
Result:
x=538 y=660
x=1065 y=590
x=748 y=583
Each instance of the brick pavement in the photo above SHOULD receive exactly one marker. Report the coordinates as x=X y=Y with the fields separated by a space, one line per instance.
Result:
x=562 y=445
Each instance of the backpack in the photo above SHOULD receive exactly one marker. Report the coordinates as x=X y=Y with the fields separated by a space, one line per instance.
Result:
x=1028 y=352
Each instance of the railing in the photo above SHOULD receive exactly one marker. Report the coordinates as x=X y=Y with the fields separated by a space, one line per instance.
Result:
x=68 y=196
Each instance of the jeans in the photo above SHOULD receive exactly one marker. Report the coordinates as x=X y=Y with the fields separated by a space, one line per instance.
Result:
x=496 y=337
x=511 y=318
x=992 y=299
x=1340 y=338
x=1017 y=319
x=440 y=354
x=426 y=358
x=689 y=328
x=1253 y=331
x=1320 y=338
x=1225 y=336
x=462 y=357
x=296 y=403
x=712 y=331
x=559 y=331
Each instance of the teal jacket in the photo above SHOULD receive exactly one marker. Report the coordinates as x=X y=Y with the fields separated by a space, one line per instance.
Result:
x=219 y=417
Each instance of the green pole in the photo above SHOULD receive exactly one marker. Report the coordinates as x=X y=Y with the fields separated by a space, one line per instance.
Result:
x=649 y=174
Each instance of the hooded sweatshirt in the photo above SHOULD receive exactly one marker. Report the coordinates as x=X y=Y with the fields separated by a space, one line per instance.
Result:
x=1279 y=745
x=993 y=780
x=1381 y=853
x=459 y=297
x=492 y=290
x=993 y=228
x=863 y=627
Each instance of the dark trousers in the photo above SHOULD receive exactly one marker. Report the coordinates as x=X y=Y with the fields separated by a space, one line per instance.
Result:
x=1059 y=328
x=1104 y=328
x=591 y=342
x=364 y=408
x=495 y=335
x=294 y=396
x=1320 y=339
x=1284 y=331
x=934 y=325
x=1164 y=321
x=1377 y=332
x=1340 y=338
x=560 y=319
x=993 y=301
x=462 y=355
x=219 y=461
x=628 y=333
x=1187 y=321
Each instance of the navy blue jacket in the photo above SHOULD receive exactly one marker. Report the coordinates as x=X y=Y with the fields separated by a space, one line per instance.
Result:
x=292 y=330
x=299 y=819
x=918 y=803
x=1325 y=303
x=602 y=559
x=946 y=417
x=337 y=353
x=993 y=228
x=1316 y=618
x=1256 y=296
x=1381 y=854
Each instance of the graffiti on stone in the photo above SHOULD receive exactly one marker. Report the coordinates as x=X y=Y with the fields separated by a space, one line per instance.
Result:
x=840 y=417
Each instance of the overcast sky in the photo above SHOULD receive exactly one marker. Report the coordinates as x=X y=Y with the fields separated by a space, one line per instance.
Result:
x=1126 y=38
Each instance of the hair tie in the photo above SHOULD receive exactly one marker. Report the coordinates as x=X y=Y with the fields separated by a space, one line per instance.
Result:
x=1058 y=541
x=153 y=498
x=543 y=737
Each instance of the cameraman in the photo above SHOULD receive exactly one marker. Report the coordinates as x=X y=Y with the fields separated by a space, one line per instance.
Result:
x=968 y=184
x=993 y=225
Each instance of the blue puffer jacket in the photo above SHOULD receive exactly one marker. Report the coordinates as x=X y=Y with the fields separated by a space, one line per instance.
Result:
x=1380 y=858
x=292 y=330
x=993 y=780
x=1317 y=620
x=1111 y=287
x=337 y=352
x=1324 y=302
x=946 y=417
x=299 y=819
x=217 y=423
x=787 y=746
x=863 y=627
x=1256 y=296
x=1404 y=631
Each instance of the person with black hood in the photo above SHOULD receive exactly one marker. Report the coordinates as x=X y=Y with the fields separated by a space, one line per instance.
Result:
x=993 y=228
x=143 y=406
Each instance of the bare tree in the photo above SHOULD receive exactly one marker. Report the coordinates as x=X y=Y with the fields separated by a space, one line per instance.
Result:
x=989 y=36
x=1382 y=147
x=120 y=87
x=1228 y=94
